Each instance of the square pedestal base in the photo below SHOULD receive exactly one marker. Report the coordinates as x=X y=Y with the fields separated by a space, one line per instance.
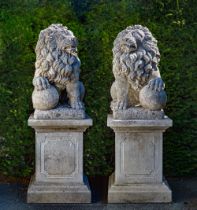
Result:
x=40 y=192
x=138 y=193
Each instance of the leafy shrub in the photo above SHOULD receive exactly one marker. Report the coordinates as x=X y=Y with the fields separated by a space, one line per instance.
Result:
x=173 y=23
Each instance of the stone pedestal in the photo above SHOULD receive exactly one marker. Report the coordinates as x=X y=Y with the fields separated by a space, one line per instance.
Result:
x=59 y=162
x=138 y=175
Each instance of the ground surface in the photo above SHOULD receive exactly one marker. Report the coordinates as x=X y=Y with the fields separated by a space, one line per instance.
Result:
x=13 y=197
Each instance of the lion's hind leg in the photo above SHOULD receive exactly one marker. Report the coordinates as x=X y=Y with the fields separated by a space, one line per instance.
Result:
x=119 y=94
x=74 y=95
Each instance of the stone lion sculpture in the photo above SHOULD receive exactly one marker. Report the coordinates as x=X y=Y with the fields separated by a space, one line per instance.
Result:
x=57 y=69
x=135 y=68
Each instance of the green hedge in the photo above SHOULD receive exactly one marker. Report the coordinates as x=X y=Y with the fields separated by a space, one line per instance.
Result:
x=96 y=24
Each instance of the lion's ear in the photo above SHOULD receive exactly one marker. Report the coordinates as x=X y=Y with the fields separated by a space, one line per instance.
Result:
x=42 y=36
x=41 y=42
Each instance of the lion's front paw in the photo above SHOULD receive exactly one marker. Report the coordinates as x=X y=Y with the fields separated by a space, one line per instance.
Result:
x=156 y=84
x=121 y=104
x=41 y=83
x=77 y=105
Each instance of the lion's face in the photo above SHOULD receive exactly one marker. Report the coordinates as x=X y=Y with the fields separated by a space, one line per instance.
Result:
x=128 y=44
x=67 y=44
x=131 y=41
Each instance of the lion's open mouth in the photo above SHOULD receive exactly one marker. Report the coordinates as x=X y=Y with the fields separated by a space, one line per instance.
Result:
x=71 y=50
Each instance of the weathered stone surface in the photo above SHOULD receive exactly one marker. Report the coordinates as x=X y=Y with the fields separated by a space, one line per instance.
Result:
x=136 y=125
x=59 y=124
x=43 y=192
x=138 y=113
x=59 y=120
x=139 y=193
x=152 y=99
x=138 y=161
x=45 y=99
x=135 y=65
x=59 y=161
x=57 y=66
x=61 y=112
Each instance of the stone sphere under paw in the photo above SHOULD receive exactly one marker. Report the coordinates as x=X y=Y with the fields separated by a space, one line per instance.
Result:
x=151 y=99
x=45 y=99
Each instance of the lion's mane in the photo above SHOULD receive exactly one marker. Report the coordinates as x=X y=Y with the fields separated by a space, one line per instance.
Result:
x=136 y=65
x=52 y=61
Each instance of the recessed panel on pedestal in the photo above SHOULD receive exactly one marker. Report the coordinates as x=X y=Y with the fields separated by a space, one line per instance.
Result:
x=59 y=157
x=59 y=174
x=138 y=173
x=139 y=158
x=55 y=162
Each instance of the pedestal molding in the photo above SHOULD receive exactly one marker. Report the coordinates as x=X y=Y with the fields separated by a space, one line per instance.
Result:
x=138 y=176
x=59 y=162
x=57 y=125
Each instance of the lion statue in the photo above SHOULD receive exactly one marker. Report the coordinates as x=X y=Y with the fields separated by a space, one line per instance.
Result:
x=57 y=65
x=135 y=66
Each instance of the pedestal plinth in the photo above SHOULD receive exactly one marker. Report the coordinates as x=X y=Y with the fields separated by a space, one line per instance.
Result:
x=59 y=162
x=138 y=175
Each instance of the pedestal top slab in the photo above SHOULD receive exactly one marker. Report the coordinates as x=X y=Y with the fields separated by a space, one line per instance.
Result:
x=59 y=123
x=139 y=124
x=138 y=113
x=61 y=112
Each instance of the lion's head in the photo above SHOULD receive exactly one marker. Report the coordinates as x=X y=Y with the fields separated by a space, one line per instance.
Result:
x=136 y=55
x=56 y=55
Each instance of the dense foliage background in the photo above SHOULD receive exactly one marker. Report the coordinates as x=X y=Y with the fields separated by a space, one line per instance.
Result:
x=96 y=24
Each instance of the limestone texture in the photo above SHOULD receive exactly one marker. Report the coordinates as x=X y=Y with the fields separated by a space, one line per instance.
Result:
x=135 y=66
x=58 y=192
x=59 y=120
x=138 y=176
x=59 y=174
x=61 y=112
x=138 y=113
x=45 y=99
x=152 y=99
x=139 y=193
x=57 y=67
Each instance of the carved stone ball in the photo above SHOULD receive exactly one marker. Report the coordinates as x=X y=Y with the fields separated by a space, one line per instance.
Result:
x=151 y=99
x=45 y=99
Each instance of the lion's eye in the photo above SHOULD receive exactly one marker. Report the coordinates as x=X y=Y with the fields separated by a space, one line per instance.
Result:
x=66 y=48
